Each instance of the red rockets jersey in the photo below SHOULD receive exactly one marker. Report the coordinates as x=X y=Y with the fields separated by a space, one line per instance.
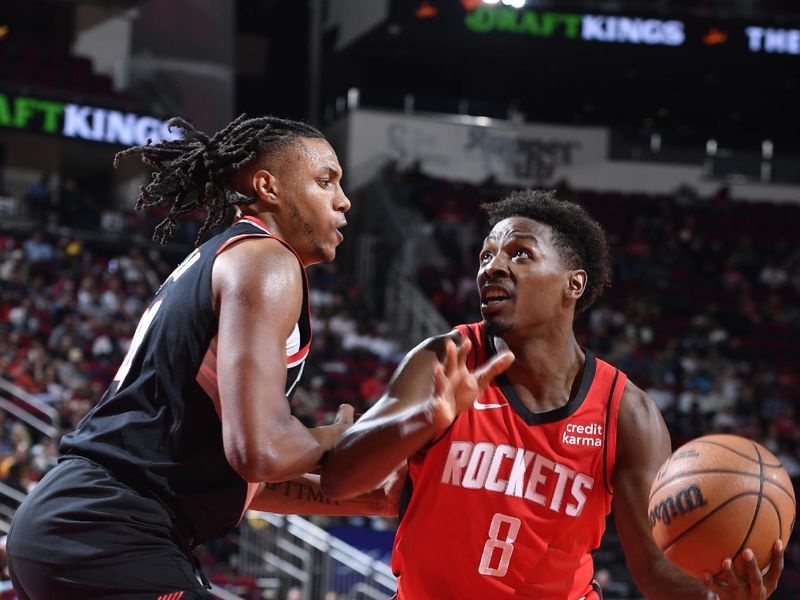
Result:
x=509 y=503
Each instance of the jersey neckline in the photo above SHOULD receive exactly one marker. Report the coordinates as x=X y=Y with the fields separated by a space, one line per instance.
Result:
x=550 y=416
x=263 y=226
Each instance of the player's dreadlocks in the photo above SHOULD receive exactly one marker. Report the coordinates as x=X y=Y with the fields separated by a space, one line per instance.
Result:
x=196 y=169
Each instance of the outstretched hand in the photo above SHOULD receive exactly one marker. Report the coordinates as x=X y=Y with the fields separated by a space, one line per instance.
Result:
x=456 y=387
x=752 y=586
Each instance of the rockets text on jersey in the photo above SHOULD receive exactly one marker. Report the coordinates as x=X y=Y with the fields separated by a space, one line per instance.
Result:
x=478 y=466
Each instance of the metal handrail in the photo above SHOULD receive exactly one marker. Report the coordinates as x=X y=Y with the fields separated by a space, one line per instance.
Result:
x=24 y=415
x=7 y=490
x=30 y=399
x=410 y=311
x=7 y=511
x=223 y=594
x=309 y=544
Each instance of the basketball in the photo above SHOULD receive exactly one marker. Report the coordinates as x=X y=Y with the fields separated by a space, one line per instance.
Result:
x=716 y=496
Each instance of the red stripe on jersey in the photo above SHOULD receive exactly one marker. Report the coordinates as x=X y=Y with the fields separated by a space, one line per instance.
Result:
x=212 y=350
x=252 y=489
x=256 y=221
x=300 y=354
x=207 y=379
x=266 y=233
x=235 y=239
x=260 y=224
x=612 y=419
x=207 y=376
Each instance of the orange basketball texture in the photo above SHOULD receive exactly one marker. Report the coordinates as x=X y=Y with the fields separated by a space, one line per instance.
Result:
x=716 y=496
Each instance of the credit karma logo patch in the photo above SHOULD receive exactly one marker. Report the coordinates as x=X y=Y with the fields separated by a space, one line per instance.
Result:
x=582 y=434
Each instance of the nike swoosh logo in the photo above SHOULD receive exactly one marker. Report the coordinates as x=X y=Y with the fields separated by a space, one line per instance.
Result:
x=482 y=406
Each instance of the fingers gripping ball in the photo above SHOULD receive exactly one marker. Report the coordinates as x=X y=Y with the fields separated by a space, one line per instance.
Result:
x=716 y=496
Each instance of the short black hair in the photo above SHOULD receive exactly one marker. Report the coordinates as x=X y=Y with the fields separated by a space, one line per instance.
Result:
x=195 y=171
x=580 y=239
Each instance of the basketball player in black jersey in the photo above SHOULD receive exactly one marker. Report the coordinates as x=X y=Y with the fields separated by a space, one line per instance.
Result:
x=197 y=418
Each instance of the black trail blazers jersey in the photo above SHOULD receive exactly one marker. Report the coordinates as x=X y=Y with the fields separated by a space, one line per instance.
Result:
x=158 y=423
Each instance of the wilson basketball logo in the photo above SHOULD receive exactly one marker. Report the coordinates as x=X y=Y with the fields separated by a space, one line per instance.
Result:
x=685 y=501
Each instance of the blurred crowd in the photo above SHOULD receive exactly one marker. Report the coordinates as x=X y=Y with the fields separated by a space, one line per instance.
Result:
x=67 y=315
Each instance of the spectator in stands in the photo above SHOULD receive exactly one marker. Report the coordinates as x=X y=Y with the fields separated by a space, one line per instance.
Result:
x=14 y=269
x=75 y=207
x=37 y=249
x=294 y=593
x=6 y=591
x=373 y=386
x=43 y=457
x=39 y=198
x=6 y=424
x=68 y=327
x=14 y=473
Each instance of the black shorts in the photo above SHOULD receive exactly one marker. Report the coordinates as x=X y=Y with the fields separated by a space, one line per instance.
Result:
x=82 y=534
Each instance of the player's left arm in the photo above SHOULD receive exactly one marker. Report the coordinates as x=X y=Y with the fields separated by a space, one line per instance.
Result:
x=430 y=387
x=304 y=496
x=643 y=444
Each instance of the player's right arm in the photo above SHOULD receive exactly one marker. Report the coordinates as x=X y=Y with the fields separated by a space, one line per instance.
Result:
x=258 y=295
x=428 y=390
x=643 y=444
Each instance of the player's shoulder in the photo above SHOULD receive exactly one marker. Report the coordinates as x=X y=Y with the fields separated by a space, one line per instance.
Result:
x=637 y=410
x=256 y=264
x=642 y=437
x=255 y=252
x=635 y=395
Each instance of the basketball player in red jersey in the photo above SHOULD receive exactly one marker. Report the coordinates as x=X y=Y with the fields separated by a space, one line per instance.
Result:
x=507 y=495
